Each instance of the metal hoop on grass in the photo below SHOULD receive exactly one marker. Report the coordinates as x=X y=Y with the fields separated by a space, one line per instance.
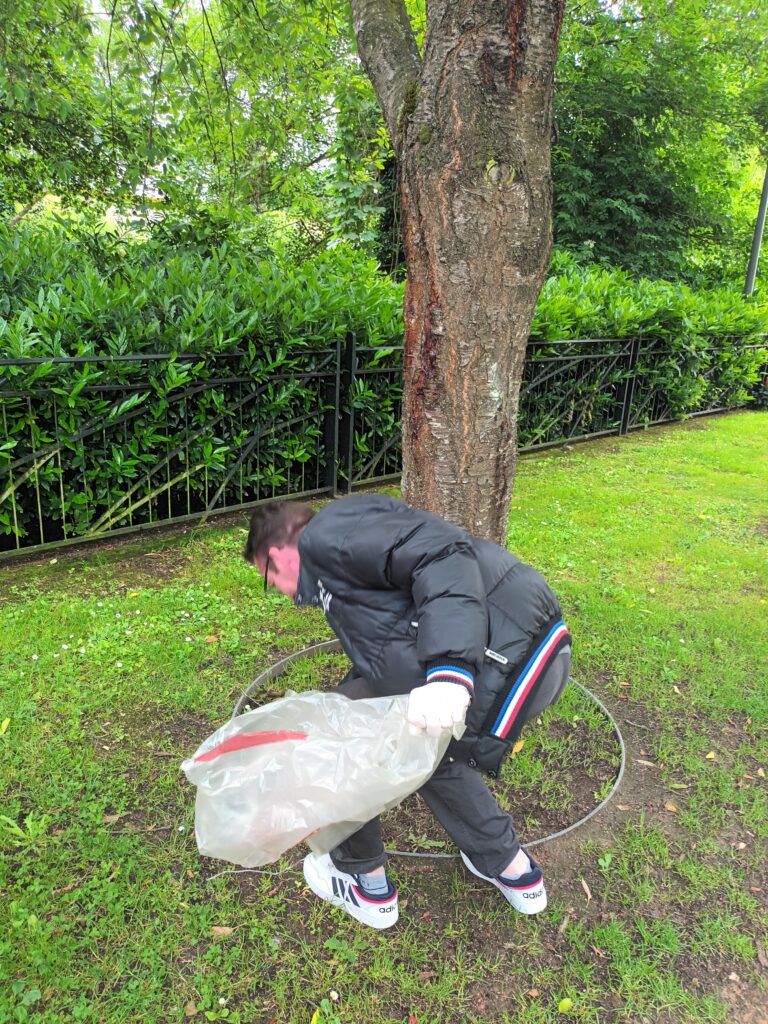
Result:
x=333 y=646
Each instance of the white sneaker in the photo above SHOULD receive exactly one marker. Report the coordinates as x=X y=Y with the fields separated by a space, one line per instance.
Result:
x=526 y=893
x=343 y=890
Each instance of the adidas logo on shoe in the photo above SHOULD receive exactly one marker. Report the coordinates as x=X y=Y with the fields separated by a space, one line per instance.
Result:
x=343 y=890
x=526 y=894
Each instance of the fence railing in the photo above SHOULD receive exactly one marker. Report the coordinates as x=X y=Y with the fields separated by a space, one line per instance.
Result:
x=96 y=446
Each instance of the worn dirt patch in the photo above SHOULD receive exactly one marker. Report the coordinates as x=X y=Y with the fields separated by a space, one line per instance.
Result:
x=585 y=768
x=411 y=827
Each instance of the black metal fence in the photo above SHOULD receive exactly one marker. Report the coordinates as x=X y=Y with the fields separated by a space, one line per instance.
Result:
x=96 y=446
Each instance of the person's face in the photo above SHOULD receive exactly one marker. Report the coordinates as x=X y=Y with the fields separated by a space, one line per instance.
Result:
x=280 y=569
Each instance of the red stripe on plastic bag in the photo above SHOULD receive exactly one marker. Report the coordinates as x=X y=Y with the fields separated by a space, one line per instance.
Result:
x=249 y=739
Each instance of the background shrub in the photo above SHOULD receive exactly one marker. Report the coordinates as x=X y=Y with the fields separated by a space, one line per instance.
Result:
x=103 y=444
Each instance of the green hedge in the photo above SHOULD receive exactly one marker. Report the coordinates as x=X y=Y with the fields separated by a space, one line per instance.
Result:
x=72 y=287
x=71 y=290
x=586 y=301
x=112 y=444
x=698 y=347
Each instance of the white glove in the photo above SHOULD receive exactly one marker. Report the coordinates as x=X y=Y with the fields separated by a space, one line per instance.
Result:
x=437 y=706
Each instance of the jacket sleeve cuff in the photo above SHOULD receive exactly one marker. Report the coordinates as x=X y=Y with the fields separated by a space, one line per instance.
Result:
x=451 y=670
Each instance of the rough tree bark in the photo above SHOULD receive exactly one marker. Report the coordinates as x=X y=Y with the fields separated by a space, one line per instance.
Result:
x=470 y=123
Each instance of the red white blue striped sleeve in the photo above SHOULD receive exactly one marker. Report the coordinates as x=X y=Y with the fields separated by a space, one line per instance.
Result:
x=451 y=670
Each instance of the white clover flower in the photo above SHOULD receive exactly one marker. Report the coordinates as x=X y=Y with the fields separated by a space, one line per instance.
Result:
x=188 y=639
x=65 y=647
x=34 y=657
x=119 y=664
x=82 y=650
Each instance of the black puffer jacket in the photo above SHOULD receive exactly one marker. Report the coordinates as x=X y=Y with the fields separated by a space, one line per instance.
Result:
x=404 y=590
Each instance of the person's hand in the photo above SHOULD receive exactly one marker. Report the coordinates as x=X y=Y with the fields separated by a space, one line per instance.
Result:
x=437 y=706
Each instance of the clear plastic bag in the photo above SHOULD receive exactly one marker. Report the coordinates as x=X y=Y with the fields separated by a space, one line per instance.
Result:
x=309 y=767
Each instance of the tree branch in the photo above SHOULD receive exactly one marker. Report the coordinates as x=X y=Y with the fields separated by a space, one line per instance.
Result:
x=22 y=213
x=225 y=83
x=390 y=56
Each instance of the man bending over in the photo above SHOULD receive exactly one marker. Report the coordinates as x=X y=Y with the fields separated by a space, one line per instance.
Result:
x=471 y=633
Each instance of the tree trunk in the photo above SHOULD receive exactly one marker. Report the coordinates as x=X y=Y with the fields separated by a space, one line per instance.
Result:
x=471 y=126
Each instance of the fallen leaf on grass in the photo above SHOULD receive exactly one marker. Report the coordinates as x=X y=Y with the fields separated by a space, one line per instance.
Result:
x=761 y=772
x=563 y=925
x=162 y=753
x=599 y=952
x=518 y=746
x=711 y=755
x=533 y=993
x=624 y=807
x=426 y=975
x=65 y=888
x=761 y=955
x=670 y=807
x=221 y=930
x=648 y=764
x=585 y=887
x=678 y=785
x=190 y=1009
x=733 y=976
x=110 y=819
x=212 y=639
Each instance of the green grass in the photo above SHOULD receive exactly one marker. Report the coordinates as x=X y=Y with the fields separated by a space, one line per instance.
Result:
x=116 y=663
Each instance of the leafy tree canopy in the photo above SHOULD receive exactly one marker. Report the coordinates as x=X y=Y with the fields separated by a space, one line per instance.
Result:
x=661 y=113
x=662 y=110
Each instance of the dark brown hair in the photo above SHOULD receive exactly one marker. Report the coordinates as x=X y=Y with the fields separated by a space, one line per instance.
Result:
x=275 y=524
